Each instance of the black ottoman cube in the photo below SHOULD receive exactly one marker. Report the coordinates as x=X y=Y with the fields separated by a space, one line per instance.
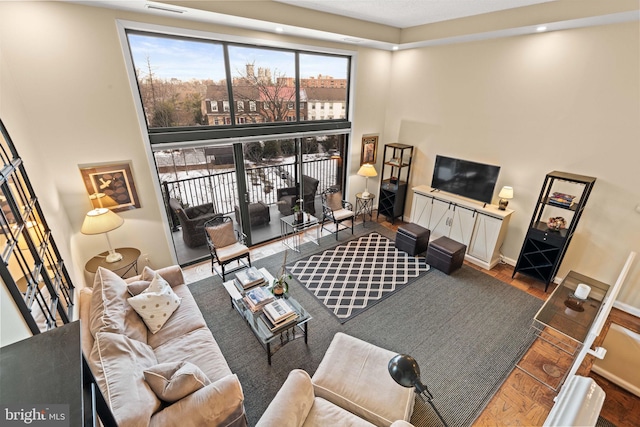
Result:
x=445 y=254
x=412 y=239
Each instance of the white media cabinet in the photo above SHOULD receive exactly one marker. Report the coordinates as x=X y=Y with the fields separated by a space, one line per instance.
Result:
x=481 y=227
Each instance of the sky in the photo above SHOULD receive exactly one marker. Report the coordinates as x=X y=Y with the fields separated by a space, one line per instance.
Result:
x=190 y=59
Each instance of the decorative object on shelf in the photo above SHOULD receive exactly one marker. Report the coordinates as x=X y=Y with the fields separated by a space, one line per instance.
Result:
x=505 y=194
x=556 y=223
x=562 y=199
x=280 y=286
x=367 y=170
x=405 y=371
x=103 y=220
x=369 y=149
x=114 y=180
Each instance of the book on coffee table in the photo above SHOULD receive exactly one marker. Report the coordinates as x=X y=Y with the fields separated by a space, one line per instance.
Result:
x=279 y=311
x=275 y=327
x=256 y=298
x=249 y=277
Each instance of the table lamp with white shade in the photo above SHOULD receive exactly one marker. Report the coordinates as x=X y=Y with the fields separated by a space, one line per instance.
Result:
x=367 y=170
x=505 y=194
x=103 y=220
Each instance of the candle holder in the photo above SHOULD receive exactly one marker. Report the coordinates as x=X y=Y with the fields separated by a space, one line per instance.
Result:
x=575 y=303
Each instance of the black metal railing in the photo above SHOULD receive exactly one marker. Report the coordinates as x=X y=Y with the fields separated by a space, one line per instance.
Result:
x=221 y=188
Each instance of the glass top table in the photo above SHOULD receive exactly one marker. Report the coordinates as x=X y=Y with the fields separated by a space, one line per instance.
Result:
x=562 y=323
x=569 y=316
x=270 y=341
x=291 y=228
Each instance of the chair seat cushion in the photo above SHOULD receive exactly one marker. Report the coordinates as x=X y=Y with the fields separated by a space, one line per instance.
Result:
x=231 y=251
x=341 y=214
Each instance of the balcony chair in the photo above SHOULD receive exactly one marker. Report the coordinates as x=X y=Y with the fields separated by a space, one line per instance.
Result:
x=336 y=211
x=192 y=220
x=287 y=196
x=226 y=245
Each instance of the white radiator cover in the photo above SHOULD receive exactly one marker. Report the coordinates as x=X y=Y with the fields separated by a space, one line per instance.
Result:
x=578 y=403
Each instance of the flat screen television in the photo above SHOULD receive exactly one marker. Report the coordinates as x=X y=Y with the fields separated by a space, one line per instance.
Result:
x=464 y=178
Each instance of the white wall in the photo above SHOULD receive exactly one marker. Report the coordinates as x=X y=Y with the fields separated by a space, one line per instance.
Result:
x=566 y=100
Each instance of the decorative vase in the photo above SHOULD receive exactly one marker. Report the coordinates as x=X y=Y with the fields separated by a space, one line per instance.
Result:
x=280 y=287
x=299 y=216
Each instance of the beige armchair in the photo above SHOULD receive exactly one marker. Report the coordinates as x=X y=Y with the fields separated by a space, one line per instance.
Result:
x=352 y=386
x=225 y=246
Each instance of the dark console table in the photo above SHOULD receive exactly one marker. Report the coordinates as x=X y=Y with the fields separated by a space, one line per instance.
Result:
x=47 y=372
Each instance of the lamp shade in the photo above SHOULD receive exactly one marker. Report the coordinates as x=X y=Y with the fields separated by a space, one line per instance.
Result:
x=506 y=193
x=101 y=220
x=404 y=370
x=367 y=170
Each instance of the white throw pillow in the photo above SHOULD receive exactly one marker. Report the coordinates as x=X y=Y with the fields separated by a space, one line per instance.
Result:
x=156 y=303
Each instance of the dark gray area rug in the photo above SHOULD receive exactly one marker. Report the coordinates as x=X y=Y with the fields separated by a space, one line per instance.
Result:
x=466 y=331
x=354 y=276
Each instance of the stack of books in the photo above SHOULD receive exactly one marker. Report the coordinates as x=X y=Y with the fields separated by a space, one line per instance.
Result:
x=562 y=199
x=278 y=315
x=249 y=278
x=257 y=298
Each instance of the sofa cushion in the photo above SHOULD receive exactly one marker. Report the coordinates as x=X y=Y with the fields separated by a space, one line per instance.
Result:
x=156 y=303
x=198 y=347
x=110 y=311
x=118 y=362
x=174 y=380
x=325 y=413
x=185 y=319
x=137 y=287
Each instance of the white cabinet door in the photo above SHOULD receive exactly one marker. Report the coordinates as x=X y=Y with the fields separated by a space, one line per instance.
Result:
x=440 y=220
x=421 y=210
x=484 y=244
x=462 y=224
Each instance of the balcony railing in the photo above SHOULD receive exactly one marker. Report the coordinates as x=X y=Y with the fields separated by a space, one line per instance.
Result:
x=221 y=188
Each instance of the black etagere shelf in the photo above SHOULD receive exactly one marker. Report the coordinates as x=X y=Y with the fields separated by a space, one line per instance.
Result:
x=396 y=167
x=544 y=248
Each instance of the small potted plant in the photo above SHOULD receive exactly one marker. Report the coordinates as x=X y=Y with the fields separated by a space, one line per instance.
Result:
x=280 y=286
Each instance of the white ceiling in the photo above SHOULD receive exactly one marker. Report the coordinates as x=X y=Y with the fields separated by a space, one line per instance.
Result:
x=409 y=13
x=393 y=13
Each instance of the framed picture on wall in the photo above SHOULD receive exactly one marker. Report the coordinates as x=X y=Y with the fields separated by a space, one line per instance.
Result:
x=369 y=149
x=110 y=185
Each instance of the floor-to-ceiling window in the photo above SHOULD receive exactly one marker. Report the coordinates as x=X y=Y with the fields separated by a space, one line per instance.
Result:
x=286 y=109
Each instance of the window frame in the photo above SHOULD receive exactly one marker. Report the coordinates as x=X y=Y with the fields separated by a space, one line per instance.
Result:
x=232 y=129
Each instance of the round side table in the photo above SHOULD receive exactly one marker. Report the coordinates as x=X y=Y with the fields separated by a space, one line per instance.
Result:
x=364 y=207
x=128 y=262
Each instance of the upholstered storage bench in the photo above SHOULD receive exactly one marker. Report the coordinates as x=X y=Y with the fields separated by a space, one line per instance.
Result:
x=412 y=239
x=445 y=254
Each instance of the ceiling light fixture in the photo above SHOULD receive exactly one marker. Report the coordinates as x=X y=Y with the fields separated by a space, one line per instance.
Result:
x=163 y=8
x=395 y=48
x=541 y=28
x=279 y=30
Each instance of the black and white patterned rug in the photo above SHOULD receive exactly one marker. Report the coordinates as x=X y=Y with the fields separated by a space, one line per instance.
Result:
x=355 y=275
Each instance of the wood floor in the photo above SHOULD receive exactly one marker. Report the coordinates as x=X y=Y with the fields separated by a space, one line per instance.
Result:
x=521 y=400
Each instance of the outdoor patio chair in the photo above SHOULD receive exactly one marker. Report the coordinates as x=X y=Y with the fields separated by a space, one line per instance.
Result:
x=192 y=220
x=287 y=196
x=336 y=211
x=226 y=246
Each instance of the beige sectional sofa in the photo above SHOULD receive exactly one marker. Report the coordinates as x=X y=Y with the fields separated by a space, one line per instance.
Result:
x=120 y=347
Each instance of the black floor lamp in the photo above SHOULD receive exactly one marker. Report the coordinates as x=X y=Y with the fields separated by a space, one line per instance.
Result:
x=405 y=371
